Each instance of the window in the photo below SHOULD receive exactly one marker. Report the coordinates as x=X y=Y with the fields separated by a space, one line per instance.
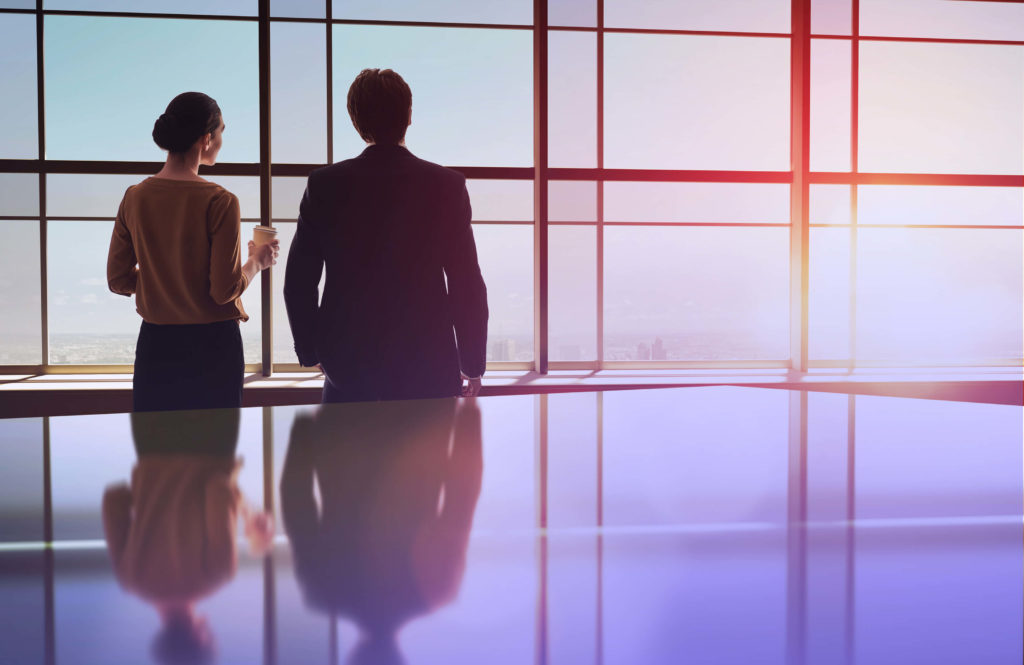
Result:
x=668 y=178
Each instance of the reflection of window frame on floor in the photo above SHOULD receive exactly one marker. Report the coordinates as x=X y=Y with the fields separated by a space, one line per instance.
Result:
x=799 y=178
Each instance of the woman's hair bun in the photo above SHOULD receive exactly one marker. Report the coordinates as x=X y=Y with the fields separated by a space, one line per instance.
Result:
x=189 y=116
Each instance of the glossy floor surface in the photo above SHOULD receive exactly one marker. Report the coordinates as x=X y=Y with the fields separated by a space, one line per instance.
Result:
x=692 y=525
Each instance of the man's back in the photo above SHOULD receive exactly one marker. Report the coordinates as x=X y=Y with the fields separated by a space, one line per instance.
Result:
x=391 y=230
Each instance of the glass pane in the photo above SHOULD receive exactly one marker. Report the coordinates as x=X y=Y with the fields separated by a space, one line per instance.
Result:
x=941 y=108
x=453 y=11
x=730 y=15
x=99 y=195
x=828 y=307
x=572 y=266
x=831 y=17
x=501 y=200
x=830 y=204
x=298 y=8
x=19 y=4
x=696 y=293
x=506 y=261
x=284 y=344
x=19 y=194
x=904 y=204
x=652 y=118
x=77 y=47
x=20 y=313
x=572 y=12
x=225 y=7
x=286 y=194
x=939 y=295
x=19 y=113
x=88 y=323
x=941 y=18
x=707 y=202
x=91 y=195
x=458 y=101
x=298 y=80
x=572 y=201
x=830 y=105
x=572 y=99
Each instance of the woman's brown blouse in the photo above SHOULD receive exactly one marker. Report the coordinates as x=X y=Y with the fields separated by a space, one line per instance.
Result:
x=176 y=247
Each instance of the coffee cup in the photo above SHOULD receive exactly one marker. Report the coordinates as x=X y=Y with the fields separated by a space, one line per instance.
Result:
x=262 y=235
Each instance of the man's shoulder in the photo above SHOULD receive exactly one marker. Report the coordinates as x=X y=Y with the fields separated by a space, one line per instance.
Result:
x=443 y=173
x=357 y=165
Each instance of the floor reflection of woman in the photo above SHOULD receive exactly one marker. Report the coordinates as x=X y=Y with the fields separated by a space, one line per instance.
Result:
x=398 y=483
x=171 y=532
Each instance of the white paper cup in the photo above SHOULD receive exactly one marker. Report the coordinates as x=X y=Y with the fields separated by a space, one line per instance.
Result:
x=262 y=235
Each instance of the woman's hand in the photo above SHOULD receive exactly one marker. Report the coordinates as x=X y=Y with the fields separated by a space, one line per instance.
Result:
x=264 y=256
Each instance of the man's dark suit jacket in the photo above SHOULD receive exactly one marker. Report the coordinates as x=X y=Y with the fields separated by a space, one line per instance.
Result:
x=402 y=279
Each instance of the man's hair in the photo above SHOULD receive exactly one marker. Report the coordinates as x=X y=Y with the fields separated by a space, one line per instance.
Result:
x=379 y=101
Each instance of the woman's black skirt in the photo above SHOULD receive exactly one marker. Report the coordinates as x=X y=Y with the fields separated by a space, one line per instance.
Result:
x=196 y=366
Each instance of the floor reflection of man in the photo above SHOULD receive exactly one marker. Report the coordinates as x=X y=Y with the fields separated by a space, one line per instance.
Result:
x=171 y=533
x=398 y=485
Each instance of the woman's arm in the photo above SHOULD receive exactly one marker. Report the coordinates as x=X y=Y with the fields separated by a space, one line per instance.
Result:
x=122 y=269
x=229 y=277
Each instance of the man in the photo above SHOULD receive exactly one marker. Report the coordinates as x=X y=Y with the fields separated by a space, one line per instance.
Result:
x=404 y=309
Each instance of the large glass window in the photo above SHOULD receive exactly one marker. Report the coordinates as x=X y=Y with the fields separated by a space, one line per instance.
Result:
x=669 y=205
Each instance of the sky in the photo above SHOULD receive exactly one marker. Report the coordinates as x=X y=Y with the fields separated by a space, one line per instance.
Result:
x=670 y=102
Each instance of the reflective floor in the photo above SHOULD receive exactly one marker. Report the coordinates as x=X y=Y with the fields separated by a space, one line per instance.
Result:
x=693 y=525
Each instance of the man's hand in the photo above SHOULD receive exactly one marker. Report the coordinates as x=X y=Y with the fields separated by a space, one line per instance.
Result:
x=472 y=386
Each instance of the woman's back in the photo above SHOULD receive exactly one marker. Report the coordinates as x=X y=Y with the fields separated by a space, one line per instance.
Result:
x=184 y=235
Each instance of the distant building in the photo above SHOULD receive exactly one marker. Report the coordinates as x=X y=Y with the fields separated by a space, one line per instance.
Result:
x=658 y=350
x=643 y=352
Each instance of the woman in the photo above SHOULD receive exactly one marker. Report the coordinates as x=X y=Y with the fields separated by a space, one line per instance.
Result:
x=176 y=247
